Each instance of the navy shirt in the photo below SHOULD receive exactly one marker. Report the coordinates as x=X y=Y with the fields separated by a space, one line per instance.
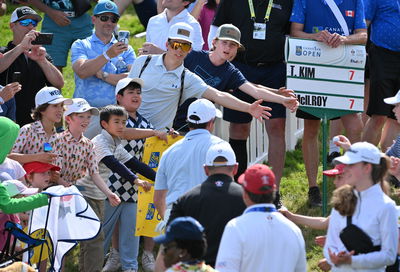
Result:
x=316 y=15
x=224 y=77
x=385 y=23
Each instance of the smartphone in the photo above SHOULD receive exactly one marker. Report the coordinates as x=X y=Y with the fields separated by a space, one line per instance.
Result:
x=123 y=36
x=16 y=77
x=47 y=147
x=44 y=38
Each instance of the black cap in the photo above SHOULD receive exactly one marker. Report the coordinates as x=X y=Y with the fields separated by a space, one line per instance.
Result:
x=23 y=12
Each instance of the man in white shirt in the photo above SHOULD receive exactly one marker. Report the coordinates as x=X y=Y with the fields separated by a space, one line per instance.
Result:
x=261 y=239
x=168 y=84
x=157 y=29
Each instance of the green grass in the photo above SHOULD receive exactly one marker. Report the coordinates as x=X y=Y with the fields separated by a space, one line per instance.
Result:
x=294 y=185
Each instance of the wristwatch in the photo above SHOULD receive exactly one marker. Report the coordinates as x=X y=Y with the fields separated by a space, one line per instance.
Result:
x=104 y=75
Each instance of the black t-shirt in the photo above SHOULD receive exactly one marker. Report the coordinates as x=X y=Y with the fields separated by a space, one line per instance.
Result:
x=237 y=12
x=32 y=80
x=213 y=203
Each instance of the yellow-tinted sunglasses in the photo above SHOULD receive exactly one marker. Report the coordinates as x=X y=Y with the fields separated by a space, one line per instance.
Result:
x=184 y=46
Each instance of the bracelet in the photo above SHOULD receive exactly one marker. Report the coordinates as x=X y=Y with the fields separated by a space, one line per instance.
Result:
x=106 y=56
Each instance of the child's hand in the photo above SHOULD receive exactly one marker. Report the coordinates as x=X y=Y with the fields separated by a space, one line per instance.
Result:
x=46 y=157
x=114 y=199
x=146 y=185
x=320 y=240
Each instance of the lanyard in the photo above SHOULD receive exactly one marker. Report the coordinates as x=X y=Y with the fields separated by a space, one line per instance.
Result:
x=262 y=209
x=267 y=12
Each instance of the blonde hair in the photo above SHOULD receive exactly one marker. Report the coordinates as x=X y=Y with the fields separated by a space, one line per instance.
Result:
x=344 y=200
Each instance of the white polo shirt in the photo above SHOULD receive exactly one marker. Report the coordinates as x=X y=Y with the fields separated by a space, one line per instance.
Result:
x=260 y=241
x=161 y=90
x=181 y=165
x=158 y=26
x=377 y=216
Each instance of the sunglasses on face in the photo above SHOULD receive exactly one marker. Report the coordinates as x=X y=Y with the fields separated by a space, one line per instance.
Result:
x=105 y=18
x=27 y=22
x=184 y=46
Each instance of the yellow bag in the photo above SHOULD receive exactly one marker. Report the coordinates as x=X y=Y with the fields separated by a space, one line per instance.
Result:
x=147 y=216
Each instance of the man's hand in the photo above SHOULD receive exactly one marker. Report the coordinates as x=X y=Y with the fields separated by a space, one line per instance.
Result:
x=10 y=90
x=114 y=199
x=116 y=49
x=286 y=92
x=162 y=135
x=258 y=111
x=37 y=53
x=26 y=42
x=291 y=103
x=59 y=17
x=324 y=265
x=322 y=36
x=342 y=257
x=320 y=240
x=335 y=40
x=146 y=185
x=342 y=141
x=150 y=48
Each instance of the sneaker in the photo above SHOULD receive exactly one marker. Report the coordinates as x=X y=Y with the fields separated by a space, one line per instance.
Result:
x=129 y=270
x=314 y=197
x=277 y=202
x=113 y=263
x=148 y=261
x=332 y=156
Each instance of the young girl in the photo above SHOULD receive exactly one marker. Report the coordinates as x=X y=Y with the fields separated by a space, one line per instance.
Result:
x=34 y=137
x=375 y=212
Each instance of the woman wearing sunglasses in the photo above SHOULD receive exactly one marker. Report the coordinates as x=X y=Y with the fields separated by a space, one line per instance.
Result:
x=375 y=213
x=184 y=246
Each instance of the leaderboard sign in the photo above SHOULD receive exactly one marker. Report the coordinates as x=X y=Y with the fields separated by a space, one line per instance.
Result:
x=326 y=79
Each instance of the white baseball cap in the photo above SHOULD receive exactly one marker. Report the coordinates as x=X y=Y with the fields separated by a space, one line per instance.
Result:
x=222 y=149
x=393 y=100
x=80 y=105
x=50 y=95
x=360 y=152
x=16 y=187
x=122 y=83
x=181 y=31
x=202 y=111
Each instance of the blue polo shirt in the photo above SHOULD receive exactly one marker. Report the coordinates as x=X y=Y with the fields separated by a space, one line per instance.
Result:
x=385 y=23
x=96 y=91
x=317 y=16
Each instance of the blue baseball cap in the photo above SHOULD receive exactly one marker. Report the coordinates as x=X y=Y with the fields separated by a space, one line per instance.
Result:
x=182 y=228
x=105 y=6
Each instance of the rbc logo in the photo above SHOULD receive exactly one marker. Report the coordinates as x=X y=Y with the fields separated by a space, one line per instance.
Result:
x=154 y=159
x=299 y=49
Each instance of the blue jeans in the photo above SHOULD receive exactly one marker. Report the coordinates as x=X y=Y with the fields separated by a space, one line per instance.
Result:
x=128 y=242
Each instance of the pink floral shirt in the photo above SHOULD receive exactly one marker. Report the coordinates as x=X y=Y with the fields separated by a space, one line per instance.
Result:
x=31 y=139
x=77 y=158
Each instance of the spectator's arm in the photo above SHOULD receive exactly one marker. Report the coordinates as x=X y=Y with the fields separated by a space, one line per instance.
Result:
x=15 y=205
x=98 y=181
x=117 y=167
x=122 y=5
x=45 y=157
x=211 y=35
x=159 y=201
x=359 y=37
x=53 y=75
x=139 y=167
x=85 y=68
x=7 y=92
x=59 y=17
x=229 y=101
x=111 y=78
x=9 y=57
x=140 y=133
x=3 y=7
x=196 y=11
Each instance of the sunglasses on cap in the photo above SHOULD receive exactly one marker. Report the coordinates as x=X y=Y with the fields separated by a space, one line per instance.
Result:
x=27 y=22
x=184 y=46
x=104 y=18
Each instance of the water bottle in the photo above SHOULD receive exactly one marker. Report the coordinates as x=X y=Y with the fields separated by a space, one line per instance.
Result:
x=121 y=66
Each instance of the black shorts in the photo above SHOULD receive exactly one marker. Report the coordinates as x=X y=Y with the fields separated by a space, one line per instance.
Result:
x=384 y=66
x=273 y=76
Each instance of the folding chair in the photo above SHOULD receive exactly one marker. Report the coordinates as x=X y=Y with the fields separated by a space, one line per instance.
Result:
x=9 y=254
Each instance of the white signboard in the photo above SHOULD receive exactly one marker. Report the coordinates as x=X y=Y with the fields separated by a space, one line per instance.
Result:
x=325 y=77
